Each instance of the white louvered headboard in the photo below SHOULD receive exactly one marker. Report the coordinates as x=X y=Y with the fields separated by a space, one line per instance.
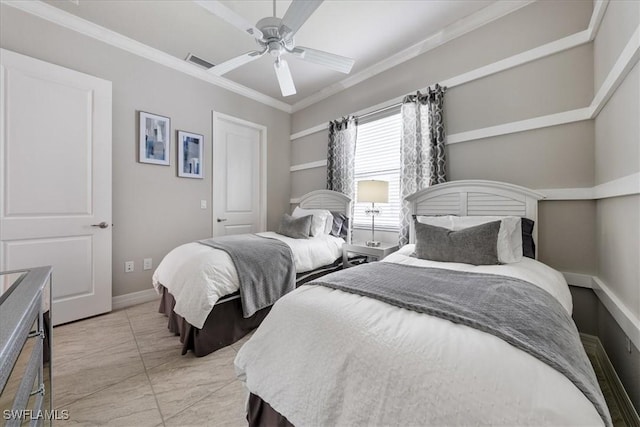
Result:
x=476 y=198
x=330 y=200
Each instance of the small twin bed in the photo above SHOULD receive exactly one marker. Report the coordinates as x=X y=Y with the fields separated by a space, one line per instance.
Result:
x=201 y=286
x=418 y=339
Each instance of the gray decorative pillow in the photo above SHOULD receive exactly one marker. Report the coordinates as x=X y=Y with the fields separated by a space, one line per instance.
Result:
x=340 y=225
x=474 y=245
x=297 y=228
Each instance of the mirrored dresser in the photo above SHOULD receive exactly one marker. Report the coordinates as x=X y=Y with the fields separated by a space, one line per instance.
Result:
x=25 y=348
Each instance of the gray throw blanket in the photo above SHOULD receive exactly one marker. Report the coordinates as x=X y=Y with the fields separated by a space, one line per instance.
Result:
x=518 y=312
x=265 y=267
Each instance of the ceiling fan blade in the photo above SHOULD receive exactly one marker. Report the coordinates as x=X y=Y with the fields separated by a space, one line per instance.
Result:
x=234 y=63
x=297 y=14
x=284 y=77
x=223 y=12
x=329 y=60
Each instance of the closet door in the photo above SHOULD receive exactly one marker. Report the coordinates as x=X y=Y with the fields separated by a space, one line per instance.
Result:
x=239 y=176
x=55 y=182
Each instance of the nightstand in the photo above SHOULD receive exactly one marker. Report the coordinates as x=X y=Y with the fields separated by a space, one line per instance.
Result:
x=377 y=253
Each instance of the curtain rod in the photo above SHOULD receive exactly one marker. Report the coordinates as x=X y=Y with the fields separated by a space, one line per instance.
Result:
x=394 y=105
x=379 y=110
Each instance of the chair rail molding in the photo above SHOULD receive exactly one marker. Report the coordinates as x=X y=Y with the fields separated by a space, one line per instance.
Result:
x=628 y=321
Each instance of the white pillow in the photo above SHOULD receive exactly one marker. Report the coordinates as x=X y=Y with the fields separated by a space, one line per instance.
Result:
x=509 y=237
x=443 y=221
x=322 y=220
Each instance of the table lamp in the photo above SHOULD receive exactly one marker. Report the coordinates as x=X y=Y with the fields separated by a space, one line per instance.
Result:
x=373 y=191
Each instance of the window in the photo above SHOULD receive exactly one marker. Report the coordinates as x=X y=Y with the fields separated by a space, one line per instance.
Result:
x=378 y=157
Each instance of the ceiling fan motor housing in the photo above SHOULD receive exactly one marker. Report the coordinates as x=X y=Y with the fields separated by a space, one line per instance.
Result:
x=272 y=39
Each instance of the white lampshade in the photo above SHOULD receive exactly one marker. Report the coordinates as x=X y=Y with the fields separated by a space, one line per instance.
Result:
x=373 y=191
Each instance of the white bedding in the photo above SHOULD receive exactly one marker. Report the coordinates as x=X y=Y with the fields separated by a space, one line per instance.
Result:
x=198 y=276
x=327 y=357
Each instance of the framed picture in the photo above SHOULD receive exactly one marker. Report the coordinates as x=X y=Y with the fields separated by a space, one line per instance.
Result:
x=155 y=139
x=190 y=154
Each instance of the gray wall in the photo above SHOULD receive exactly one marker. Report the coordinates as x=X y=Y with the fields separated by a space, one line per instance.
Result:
x=617 y=154
x=554 y=157
x=153 y=209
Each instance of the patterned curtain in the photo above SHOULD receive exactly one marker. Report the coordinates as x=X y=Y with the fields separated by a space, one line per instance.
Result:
x=341 y=155
x=422 y=157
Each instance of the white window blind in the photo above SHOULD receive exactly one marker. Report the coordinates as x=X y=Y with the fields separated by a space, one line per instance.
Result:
x=378 y=157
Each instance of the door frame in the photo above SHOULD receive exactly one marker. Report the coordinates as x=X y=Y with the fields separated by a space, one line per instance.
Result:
x=216 y=118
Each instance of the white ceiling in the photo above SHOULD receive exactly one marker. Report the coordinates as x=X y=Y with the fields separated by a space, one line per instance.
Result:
x=369 y=31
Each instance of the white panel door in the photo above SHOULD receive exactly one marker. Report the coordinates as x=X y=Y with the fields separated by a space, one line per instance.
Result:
x=55 y=182
x=239 y=176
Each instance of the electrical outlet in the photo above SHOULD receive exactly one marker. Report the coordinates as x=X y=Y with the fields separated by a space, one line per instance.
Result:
x=128 y=266
x=203 y=204
x=147 y=264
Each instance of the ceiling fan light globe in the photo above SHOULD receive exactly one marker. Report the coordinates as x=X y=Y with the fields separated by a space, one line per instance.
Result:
x=275 y=48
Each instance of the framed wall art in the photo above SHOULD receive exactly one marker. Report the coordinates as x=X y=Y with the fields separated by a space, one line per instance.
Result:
x=190 y=149
x=155 y=139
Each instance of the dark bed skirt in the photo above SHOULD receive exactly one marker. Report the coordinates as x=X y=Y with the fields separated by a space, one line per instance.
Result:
x=224 y=325
x=260 y=413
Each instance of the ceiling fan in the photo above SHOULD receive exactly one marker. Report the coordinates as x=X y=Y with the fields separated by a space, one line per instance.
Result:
x=275 y=36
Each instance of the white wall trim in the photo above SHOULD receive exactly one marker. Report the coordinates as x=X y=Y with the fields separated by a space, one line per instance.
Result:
x=310 y=165
x=521 y=126
x=525 y=57
x=513 y=61
x=599 y=8
x=134 y=298
x=310 y=131
x=629 y=323
x=584 y=193
x=578 y=279
x=625 y=62
x=459 y=28
x=625 y=186
x=90 y=29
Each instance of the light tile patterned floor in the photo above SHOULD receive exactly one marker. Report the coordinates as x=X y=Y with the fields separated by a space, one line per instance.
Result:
x=125 y=369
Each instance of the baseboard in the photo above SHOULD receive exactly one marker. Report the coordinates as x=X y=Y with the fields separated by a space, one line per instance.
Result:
x=134 y=298
x=593 y=345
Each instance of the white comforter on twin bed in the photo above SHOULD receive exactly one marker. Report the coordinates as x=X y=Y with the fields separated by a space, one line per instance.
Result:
x=327 y=357
x=198 y=275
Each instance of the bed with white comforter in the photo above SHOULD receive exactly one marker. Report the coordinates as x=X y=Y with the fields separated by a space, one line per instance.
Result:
x=198 y=276
x=328 y=357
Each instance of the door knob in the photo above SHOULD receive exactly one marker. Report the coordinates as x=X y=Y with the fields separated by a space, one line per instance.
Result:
x=222 y=219
x=101 y=225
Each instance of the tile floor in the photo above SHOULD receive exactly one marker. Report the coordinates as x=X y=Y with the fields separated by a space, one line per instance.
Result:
x=134 y=375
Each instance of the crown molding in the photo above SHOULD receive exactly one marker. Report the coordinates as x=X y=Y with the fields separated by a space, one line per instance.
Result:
x=462 y=26
x=90 y=29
